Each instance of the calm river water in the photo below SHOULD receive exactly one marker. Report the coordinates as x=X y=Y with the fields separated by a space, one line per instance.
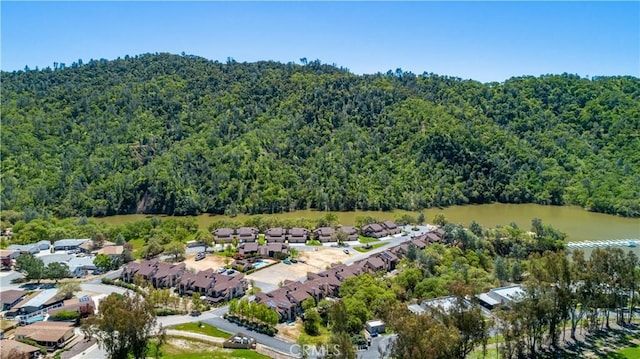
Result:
x=580 y=225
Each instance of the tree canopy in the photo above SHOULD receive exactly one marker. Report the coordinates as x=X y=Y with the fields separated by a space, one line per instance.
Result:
x=161 y=133
x=123 y=325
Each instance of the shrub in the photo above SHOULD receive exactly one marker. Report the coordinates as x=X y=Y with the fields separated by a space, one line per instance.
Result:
x=42 y=349
x=65 y=315
x=163 y=312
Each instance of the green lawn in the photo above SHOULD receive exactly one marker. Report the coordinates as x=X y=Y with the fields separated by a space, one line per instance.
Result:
x=195 y=349
x=137 y=246
x=261 y=239
x=373 y=246
x=314 y=242
x=631 y=352
x=363 y=239
x=217 y=354
x=477 y=354
x=305 y=338
x=4 y=324
x=203 y=328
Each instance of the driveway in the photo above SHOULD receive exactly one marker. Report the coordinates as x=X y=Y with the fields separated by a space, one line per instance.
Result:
x=7 y=277
x=214 y=318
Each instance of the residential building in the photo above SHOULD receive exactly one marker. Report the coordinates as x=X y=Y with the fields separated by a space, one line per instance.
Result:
x=83 y=306
x=91 y=247
x=502 y=296
x=12 y=349
x=10 y=298
x=287 y=300
x=274 y=250
x=298 y=235
x=432 y=237
x=51 y=335
x=6 y=258
x=375 y=327
x=352 y=233
x=223 y=235
x=200 y=282
x=68 y=244
x=32 y=248
x=373 y=230
x=374 y=264
x=166 y=275
x=80 y=266
x=324 y=234
x=390 y=259
x=391 y=227
x=213 y=287
x=37 y=301
x=247 y=234
x=142 y=269
x=277 y=234
x=159 y=274
x=114 y=252
x=248 y=249
x=444 y=304
x=227 y=287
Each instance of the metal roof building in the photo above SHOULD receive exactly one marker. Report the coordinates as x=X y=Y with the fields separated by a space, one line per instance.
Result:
x=66 y=244
x=38 y=301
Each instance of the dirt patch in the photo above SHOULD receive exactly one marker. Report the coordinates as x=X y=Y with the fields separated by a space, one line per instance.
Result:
x=210 y=261
x=323 y=256
x=179 y=345
x=315 y=261
x=290 y=332
x=279 y=272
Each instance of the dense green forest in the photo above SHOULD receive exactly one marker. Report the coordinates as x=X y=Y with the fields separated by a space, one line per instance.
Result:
x=161 y=133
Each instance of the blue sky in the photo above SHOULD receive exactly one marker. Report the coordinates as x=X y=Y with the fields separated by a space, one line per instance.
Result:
x=485 y=41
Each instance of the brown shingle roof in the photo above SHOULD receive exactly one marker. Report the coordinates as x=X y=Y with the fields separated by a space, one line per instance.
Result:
x=375 y=262
x=45 y=331
x=298 y=231
x=348 y=229
x=223 y=232
x=10 y=296
x=10 y=348
x=168 y=269
x=247 y=231
x=147 y=267
x=112 y=250
x=278 y=247
x=373 y=227
x=249 y=247
x=325 y=231
x=204 y=279
x=419 y=243
x=276 y=232
x=390 y=224
x=433 y=237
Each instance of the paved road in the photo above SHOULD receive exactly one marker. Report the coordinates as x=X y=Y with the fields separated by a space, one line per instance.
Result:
x=215 y=318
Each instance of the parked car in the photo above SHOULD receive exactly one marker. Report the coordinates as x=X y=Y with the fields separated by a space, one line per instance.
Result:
x=200 y=256
x=346 y=251
x=230 y=271
x=222 y=270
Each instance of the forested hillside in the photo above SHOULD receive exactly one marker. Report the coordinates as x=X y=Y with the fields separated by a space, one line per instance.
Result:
x=172 y=134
